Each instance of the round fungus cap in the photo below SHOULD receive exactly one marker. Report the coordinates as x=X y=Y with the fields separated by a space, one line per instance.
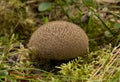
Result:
x=59 y=40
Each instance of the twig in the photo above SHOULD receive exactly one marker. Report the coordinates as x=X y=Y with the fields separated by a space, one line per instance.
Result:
x=102 y=22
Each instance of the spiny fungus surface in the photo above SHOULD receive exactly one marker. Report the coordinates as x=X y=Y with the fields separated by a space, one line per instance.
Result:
x=59 y=40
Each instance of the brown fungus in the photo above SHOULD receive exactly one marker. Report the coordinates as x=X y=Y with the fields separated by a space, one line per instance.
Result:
x=58 y=40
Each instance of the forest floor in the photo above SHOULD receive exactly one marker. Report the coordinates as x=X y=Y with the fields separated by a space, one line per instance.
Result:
x=100 y=20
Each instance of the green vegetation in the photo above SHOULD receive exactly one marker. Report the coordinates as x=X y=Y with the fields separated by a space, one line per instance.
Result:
x=18 y=19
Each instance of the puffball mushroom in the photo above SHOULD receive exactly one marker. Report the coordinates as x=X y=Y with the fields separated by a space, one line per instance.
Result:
x=59 y=40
